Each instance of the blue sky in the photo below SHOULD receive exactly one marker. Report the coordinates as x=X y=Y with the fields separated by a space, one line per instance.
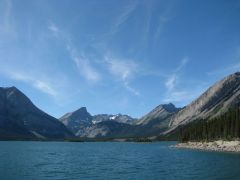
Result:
x=116 y=56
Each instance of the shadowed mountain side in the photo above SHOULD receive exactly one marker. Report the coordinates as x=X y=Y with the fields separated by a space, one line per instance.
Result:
x=21 y=119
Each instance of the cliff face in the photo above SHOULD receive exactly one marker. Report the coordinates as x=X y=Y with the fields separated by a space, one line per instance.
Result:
x=216 y=100
x=78 y=120
x=20 y=118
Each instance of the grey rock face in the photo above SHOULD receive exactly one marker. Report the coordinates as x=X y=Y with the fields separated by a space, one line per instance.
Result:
x=78 y=120
x=156 y=121
x=216 y=100
x=20 y=118
x=161 y=112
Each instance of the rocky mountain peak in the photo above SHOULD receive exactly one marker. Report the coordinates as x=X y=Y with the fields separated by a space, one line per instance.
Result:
x=81 y=111
x=77 y=120
x=15 y=97
x=169 y=107
x=9 y=90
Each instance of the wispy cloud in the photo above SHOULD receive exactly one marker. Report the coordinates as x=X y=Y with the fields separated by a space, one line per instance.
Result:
x=183 y=97
x=86 y=69
x=40 y=84
x=123 y=17
x=173 y=78
x=123 y=70
x=131 y=89
x=173 y=94
x=163 y=19
x=176 y=92
x=161 y=23
x=171 y=82
x=182 y=64
x=82 y=63
x=24 y=65
x=44 y=87
x=53 y=28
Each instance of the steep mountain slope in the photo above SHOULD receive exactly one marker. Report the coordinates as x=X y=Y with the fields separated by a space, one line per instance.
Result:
x=215 y=101
x=155 y=121
x=21 y=119
x=159 y=113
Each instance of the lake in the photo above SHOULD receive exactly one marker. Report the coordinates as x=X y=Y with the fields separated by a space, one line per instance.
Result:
x=112 y=160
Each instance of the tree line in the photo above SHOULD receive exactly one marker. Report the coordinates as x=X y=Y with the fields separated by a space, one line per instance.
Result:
x=226 y=126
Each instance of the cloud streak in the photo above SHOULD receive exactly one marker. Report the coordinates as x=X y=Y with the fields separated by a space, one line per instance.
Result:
x=86 y=69
x=171 y=82
x=123 y=70
x=54 y=29
x=172 y=93
x=82 y=63
x=123 y=17
x=172 y=79
x=40 y=84
x=184 y=96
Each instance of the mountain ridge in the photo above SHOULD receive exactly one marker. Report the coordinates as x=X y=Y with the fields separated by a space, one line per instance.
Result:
x=20 y=117
x=216 y=100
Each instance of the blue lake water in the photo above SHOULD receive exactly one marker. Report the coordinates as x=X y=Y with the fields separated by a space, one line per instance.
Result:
x=109 y=160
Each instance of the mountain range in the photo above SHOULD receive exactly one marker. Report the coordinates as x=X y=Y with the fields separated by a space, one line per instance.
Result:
x=21 y=119
x=83 y=124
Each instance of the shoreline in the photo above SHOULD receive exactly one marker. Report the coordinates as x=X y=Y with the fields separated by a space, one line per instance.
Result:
x=219 y=146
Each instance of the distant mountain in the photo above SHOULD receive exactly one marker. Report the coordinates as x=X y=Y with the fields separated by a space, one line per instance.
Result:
x=78 y=120
x=164 y=119
x=156 y=121
x=158 y=114
x=21 y=119
x=217 y=100
x=83 y=124
x=112 y=129
x=109 y=117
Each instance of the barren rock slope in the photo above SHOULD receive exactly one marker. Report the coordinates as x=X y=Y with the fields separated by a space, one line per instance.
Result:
x=216 y=100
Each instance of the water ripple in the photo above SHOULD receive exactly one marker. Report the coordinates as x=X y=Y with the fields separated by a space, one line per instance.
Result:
x=59 y=160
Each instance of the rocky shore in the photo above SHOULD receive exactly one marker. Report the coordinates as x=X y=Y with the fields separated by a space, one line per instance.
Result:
x=221 y=146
